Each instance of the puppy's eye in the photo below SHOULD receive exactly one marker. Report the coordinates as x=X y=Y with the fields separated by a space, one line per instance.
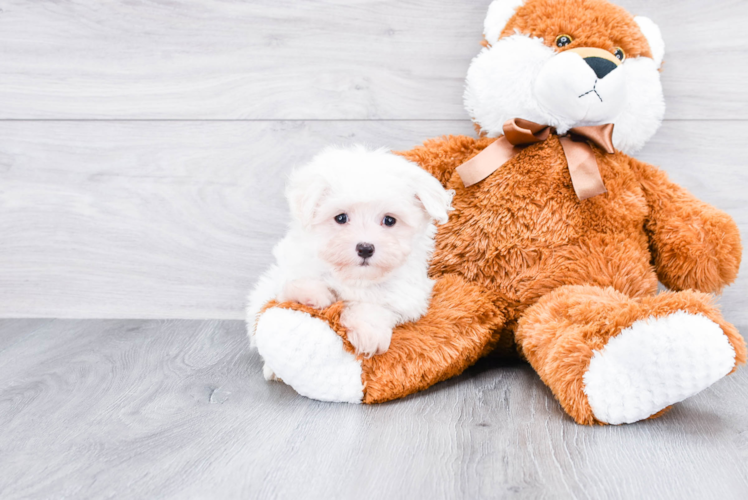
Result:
x=341 y=218
x=389 y=221
x=619 y=53
x=563 y=40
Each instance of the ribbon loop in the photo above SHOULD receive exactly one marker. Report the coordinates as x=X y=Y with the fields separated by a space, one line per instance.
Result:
x=518 y=133
x=601 y=135
x=521 y=132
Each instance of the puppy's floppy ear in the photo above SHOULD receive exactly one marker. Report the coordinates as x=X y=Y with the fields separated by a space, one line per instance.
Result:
x=436 y=200
x=304 y=192
x=654 y=37
x=499 y=13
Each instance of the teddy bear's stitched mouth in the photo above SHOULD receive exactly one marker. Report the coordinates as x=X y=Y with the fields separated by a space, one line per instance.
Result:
x=594 y=89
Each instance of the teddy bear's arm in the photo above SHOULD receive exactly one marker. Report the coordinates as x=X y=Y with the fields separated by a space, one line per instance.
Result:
x=694 y=245
x=441 y=156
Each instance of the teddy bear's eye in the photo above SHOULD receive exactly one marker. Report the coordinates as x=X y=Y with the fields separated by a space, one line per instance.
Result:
x=341 y=218
x=619 y=53
x=563 y=40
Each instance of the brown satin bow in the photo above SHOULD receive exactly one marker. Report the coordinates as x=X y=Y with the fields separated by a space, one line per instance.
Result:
x=585 y=174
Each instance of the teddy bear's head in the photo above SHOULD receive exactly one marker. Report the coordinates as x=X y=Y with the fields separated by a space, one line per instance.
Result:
x=568 y=63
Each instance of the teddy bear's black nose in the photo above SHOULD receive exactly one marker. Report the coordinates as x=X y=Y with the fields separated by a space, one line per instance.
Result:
x=365 y=250
x=600 y=66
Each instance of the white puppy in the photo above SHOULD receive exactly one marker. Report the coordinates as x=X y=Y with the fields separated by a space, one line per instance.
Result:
x=362 y=232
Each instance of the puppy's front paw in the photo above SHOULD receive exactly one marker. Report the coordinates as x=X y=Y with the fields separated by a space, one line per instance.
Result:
x=368 y=334
x=312 y=293
x=369 y=340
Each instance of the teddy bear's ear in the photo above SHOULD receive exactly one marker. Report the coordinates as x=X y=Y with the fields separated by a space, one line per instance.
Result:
x=499 y=13
x=652 y=33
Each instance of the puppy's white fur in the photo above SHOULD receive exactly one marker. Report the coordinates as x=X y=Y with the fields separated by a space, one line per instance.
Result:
x=317 y=263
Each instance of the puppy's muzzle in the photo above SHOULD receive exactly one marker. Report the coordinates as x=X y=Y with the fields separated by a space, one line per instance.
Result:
x=365 y=250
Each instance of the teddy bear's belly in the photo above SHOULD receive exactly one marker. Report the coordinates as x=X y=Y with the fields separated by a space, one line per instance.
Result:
x=523 y=232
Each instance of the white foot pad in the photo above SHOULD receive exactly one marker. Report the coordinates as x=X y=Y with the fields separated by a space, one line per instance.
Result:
x=307 y=355
x=655 y=363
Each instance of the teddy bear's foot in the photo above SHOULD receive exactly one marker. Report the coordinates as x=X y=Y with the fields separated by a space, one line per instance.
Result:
x=305 y=353
x=308 y=348
x=269 y=374
x=613 y=359
x=654 y=363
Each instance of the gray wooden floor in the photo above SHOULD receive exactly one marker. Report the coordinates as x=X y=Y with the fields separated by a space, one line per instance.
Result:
x=179 y=409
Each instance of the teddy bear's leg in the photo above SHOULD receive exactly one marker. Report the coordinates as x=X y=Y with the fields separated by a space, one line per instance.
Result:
x=609 y=358
x=308 y=350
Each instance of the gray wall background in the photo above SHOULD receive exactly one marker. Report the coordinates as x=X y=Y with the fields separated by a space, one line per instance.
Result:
x=143 y=145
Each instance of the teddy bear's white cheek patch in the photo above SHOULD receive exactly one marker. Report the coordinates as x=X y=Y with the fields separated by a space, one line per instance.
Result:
x=655 y=363
x=307 y=355
x=499 y=83
x=645 y=106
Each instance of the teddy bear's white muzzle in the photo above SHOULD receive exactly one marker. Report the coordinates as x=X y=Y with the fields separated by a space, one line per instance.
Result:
x=574 y=93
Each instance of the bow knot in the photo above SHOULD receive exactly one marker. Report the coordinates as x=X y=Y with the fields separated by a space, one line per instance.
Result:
x=519 y=133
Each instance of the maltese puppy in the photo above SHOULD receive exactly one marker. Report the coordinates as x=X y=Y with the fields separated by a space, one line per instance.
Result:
x=362 y=232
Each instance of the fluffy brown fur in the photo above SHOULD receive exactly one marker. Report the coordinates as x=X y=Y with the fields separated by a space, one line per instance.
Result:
x=523 y=234
x=461 y=327
x=680 y=264
x=606 y=26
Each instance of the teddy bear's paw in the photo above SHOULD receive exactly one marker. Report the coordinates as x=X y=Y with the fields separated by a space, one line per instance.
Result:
x=269 y=374
x=655 y=363
x=305 y=353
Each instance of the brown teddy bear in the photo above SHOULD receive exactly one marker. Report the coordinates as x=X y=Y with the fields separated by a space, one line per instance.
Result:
x=557 y=238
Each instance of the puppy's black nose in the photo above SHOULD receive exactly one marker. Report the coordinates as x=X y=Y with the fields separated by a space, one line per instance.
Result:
x=600 y=66
x=365 y=250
